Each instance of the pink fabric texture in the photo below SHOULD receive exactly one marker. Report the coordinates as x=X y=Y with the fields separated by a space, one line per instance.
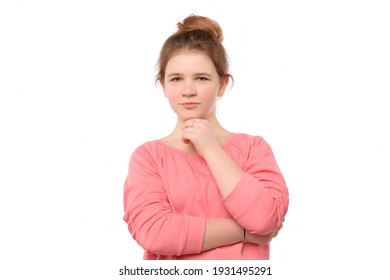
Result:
x=169 y=194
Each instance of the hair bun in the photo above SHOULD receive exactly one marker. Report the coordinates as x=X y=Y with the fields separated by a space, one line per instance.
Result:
x=205 y=24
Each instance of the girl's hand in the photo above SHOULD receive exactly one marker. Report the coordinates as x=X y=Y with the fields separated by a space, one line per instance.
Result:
x=199 y=133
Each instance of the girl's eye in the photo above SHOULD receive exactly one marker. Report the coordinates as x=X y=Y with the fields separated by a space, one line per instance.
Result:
x=175 y=79
x=202 y=78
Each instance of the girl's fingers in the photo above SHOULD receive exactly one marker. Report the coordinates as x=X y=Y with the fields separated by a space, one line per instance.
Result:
x=192 y=122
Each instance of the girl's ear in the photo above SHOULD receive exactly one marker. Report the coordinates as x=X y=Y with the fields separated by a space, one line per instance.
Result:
x=222 y=85
x=163 y=87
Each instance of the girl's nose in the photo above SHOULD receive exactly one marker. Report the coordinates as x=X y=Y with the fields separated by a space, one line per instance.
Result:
x=189 y=90
x=189 y=93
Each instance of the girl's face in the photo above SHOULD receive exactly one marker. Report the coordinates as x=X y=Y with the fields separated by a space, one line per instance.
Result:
x=192 y=85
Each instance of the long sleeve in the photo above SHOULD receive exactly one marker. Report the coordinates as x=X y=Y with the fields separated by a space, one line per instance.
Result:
x=260 y=200
x=149 y=215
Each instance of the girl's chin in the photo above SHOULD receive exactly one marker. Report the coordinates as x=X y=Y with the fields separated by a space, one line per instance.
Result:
x=186 y=118
x=193 y=115
x=190 y=116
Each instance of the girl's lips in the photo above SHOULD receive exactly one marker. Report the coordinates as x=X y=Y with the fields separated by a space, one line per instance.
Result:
x=189 y=105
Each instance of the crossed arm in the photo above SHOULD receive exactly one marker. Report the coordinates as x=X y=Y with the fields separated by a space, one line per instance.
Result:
x=222 y=232
x=150 y=216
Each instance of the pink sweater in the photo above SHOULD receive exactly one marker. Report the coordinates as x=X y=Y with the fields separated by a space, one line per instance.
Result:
x=169 y=193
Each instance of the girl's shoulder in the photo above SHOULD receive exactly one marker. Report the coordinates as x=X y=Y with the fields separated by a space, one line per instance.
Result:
x=146 y=149
x=247 y=145
x=244 y=139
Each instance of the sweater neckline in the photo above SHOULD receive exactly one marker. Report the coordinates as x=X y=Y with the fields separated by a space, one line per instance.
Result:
x=172 y=148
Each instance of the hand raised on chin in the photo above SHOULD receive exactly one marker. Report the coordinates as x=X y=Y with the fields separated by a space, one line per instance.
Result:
x=199 y=133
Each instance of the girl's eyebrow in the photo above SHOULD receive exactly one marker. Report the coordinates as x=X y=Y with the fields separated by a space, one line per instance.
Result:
x=196 y=74
x=203 y=74
x=173 y=74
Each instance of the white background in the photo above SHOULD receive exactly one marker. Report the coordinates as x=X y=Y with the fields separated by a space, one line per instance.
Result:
x=78 y=96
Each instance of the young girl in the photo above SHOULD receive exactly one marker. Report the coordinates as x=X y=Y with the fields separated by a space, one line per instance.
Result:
x=202 y=192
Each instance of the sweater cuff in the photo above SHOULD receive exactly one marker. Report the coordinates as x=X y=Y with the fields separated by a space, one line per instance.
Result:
x=194 y=236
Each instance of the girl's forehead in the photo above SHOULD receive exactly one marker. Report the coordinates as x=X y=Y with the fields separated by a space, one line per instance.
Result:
x=190 y=54
x=187 y=59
